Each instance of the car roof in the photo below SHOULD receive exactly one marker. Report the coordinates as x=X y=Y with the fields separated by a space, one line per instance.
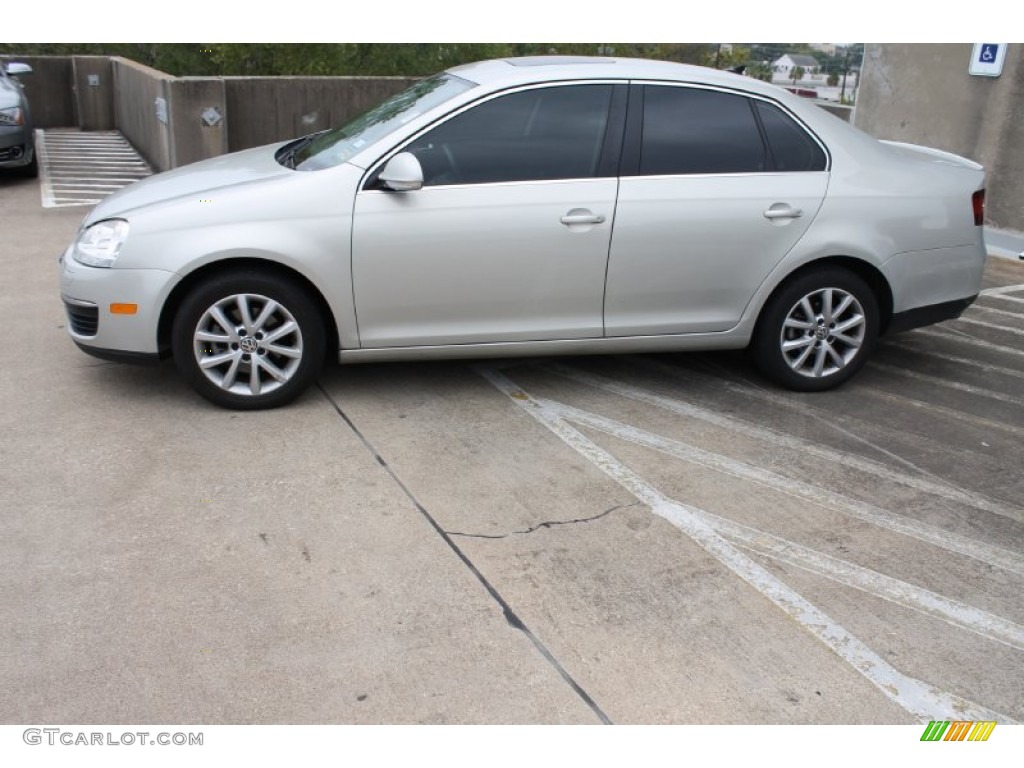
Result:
x=503 y=73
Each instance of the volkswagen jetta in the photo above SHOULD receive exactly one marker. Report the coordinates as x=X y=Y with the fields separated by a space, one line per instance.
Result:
x=547 y=205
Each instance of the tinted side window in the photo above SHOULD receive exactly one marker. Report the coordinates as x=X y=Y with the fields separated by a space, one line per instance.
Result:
x=688 y=130
x=791 y=147
x=545 y=133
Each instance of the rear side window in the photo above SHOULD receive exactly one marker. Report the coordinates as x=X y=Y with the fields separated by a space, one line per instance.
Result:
x=689 y=130
x=540 y=134
x=791 y=146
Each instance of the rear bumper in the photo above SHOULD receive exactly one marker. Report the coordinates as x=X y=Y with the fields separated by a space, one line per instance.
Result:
x=934 y=285
x=934 y=313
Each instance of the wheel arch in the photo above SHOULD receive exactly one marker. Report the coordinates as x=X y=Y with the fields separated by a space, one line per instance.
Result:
x=194 y=278
x=866 y=271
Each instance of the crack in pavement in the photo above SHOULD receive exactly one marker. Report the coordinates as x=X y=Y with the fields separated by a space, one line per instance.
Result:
x=545 y=524
x=510 y=615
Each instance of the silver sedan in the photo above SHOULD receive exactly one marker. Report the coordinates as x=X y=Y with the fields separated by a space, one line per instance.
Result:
x=546 y=205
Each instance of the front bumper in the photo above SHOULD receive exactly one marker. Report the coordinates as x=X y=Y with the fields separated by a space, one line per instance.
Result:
x=16 y=146
x=88 y=293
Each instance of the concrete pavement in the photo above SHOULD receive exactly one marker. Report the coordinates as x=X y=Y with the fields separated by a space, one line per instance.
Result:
x=656 y=539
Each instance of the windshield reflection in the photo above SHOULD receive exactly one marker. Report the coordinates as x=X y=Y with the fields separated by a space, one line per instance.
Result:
x=333 y=147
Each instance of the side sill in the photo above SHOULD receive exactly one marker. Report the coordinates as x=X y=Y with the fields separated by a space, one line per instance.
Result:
x=598 y=346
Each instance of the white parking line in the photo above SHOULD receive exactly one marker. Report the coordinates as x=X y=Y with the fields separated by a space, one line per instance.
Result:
x=942 y=489
x=1006 y=297
x=915 y=696
x=986 y=367
x=750 y=390
x=949 y=384
x=916 y=598
x=83 y=168
x=974 y=420
x=955 y=334
x=993 y=310
x=869 y=513
x=1001 y=289
x=960 y=614
x=983 y=324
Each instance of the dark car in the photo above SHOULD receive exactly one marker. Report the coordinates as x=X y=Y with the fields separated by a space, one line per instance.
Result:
x=17 y=148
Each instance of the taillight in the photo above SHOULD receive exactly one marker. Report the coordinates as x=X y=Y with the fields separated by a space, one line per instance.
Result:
x=978 y=203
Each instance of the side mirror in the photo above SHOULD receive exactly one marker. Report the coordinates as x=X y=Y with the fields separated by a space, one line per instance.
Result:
x=402 y=173
x=17 y=68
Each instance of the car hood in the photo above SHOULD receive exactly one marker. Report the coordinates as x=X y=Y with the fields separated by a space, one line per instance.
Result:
x=237 y=169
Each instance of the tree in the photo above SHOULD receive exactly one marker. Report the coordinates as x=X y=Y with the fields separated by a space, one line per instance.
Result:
x=796 y=73
x=761 y=71
x=833 y=79
x=722 y=58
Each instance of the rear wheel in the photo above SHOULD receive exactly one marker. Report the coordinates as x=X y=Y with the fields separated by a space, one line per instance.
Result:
x=249 y=340
x=817 y=330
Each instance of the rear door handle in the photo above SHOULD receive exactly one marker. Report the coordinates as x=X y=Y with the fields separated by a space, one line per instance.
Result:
x=582 y=218
x=782 y=211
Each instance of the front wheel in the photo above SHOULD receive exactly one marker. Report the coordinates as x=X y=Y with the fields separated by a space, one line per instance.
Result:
x=31 y=171
x=817 y=331
x=249 y=340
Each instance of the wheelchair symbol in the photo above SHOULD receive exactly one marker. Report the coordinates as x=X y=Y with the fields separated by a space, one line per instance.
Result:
x=988 y=53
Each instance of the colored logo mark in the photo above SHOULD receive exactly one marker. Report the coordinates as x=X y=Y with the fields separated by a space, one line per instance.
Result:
x=958 y=730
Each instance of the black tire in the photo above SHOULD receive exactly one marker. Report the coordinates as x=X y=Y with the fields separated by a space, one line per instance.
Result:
x=31 y=171
x=291 y=339
x=819 y=341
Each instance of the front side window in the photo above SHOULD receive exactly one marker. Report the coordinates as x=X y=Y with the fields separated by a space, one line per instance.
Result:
x=690 y=130
x=540 y=134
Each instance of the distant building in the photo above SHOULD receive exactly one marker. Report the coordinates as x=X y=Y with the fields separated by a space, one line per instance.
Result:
x=829 y=49
x=783 y=66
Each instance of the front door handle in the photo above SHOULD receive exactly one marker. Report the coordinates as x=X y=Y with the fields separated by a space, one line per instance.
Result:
x=783 y=211
x=577 y=216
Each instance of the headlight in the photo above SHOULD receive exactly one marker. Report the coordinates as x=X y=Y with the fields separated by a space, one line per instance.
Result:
x=99 y=245
x=12 y=116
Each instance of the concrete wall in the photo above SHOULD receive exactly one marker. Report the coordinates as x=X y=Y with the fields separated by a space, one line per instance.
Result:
x=138 y=88
x=50 y=90
x=208 y=116
x=198 y=119
x=94 y=92
x=922 y=93
x=267 y=109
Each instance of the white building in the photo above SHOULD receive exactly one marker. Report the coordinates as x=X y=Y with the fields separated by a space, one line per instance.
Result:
x=783 y=66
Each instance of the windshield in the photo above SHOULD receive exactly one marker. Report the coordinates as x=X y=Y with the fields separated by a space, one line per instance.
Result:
x=333 y=147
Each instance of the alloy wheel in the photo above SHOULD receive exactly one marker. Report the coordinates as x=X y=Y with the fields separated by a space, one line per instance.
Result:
x=248 y=344
x=823 y=332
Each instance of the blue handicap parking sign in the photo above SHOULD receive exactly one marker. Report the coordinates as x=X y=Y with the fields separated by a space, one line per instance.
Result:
x=987 y=59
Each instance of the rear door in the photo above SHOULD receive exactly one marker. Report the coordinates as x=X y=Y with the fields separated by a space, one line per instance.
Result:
x=716 y=188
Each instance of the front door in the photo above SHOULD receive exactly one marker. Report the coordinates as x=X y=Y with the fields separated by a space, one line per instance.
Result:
x=508 y=238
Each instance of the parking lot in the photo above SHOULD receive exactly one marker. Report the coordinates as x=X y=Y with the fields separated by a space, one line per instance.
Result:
x=640 y=539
